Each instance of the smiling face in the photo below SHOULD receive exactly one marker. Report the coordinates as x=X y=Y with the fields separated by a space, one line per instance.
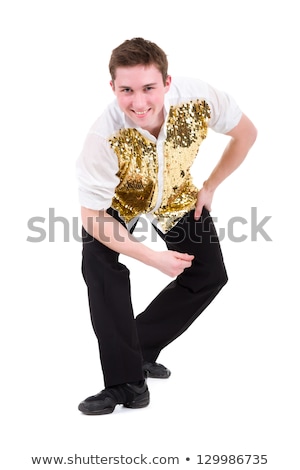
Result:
x=140 y=92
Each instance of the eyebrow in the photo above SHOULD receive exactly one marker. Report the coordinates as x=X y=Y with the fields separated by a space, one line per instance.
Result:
x=143 y=86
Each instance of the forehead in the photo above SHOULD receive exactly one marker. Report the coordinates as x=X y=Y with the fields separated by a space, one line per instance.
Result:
x=138 y=75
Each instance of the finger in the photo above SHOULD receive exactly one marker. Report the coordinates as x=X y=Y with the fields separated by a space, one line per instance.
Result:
x=186 y=264
x=198 y=212
x=185 y=256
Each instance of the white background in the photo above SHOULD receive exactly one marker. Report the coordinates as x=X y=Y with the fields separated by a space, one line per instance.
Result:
x=234 y=385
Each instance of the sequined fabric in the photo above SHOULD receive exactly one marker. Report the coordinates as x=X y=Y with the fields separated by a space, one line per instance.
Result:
x=138 y=166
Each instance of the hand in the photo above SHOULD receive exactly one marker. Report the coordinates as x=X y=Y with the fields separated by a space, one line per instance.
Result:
x=171 y=262
x=204 y=199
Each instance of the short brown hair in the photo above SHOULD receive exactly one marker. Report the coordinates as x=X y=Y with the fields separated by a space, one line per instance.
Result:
x=138 y=51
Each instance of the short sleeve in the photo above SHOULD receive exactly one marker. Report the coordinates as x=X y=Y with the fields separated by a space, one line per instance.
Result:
x=96 y=170
x=225 y=112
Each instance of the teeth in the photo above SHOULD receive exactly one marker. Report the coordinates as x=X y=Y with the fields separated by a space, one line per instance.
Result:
x=140 y=113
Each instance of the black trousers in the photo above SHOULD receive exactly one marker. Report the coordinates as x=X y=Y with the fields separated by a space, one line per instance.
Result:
x=125 y=340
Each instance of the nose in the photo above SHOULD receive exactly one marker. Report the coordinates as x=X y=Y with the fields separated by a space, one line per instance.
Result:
x=139 y=102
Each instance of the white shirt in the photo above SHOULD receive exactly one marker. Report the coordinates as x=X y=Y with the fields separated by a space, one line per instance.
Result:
x=97 y=165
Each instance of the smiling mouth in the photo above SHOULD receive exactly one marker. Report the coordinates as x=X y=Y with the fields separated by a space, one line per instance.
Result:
x=141 y=113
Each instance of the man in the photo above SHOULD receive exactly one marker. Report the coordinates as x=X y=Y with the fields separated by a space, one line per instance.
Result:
x=136 y=160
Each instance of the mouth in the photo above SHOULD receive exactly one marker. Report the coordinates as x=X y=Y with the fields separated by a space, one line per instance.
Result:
x=141 y=113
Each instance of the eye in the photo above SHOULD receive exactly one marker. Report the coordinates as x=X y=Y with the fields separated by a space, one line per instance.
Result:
x=148 y=88
x=126 y=90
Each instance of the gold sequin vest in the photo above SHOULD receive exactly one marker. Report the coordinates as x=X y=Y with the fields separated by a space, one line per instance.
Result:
x=137 y=191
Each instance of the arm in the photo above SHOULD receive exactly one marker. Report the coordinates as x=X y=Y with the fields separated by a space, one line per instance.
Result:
x=112 y=234
x=243 y=137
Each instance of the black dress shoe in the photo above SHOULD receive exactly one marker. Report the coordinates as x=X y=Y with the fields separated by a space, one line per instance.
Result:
x=155 y=370
x=129 y=395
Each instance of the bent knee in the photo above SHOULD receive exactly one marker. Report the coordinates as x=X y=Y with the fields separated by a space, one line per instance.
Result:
x=222 y=279
x=208 y=279
x=217 y=280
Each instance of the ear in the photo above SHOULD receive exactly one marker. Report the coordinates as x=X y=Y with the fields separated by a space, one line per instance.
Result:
x=168 y=83
x=112 y=85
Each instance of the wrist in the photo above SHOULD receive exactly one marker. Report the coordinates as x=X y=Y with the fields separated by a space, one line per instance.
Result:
x=208 y=186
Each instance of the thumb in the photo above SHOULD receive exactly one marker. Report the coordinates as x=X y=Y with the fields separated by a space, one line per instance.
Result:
x=185 y=256
x=198 y=211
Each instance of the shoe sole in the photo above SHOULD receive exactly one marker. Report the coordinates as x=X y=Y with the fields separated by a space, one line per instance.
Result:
x=105 y=411
x=139 y=402
x=150 y=375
